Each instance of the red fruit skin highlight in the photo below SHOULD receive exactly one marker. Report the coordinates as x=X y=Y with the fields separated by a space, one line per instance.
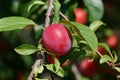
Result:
x=57 y=39
x=80 y=15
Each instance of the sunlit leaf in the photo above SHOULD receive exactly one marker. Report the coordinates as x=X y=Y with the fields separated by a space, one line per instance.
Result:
x=40 y=79
x=57 y=64
x=105 y=58
x=26 y=49
x=37 y=2
x=117 y=68
x=87 y=34
x=60 y=72
x=13 y=23
x=96 y=25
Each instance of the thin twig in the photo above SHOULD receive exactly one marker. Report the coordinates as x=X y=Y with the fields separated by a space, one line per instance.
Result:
x=110 y=64
x=65 y=17
x=76 y=72
x=39 y=61
x=49 y=11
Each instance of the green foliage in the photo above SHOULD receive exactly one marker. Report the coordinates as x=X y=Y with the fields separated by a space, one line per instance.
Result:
x=87 y=34
x=38 y=70
x=13 y=23
x=40 y=79
x=84 y=38
x=26 y=49
x=117 y=68
x=55 y=68
x=95 y=9
x=33 y=3
x=56 y=11
x=105 y=58
x=96 y=24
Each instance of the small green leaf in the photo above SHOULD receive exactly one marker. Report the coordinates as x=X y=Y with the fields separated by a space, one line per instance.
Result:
x=95 y=9
x=57 y=64
x=13 y=23
x=75 y=40
x=56 y=11
x=117 y=68
x=60 y=72
x=40 y=79
x=26 y=49
x=115 y=57
x=95 y=25
x=105 y=46
x=50 y=67
x=35 y=3
x=105 y=58
x=38 y=69
x=87 y=34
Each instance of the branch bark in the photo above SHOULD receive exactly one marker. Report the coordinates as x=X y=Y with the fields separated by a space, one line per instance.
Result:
x=76 y=72
x=39 y=60
x=49 y=12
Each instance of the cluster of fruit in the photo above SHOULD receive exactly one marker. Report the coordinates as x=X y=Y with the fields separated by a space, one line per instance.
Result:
x=57 y=39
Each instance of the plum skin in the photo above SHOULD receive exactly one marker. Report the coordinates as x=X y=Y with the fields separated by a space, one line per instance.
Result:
x=112 y=41
x=57 y=39
x=80 y=15
x=87 y=67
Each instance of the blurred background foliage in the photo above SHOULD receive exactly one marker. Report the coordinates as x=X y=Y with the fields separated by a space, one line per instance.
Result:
x=17 y=67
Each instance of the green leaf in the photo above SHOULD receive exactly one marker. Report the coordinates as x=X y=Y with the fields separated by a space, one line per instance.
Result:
x=51 y=67
x=26 y=49
x=13 y=23
x=38 y=31
x=57 y=64
x=87 y=34
x=60 y=72
x=40 y=79
x=35 y=3
x=105 y=58
x=115 y=57
x=105 y=46
x=96 y=25
x=117 y=68
x=40 y=69
x=75 y=40
x=95 y=9
x=56 y=11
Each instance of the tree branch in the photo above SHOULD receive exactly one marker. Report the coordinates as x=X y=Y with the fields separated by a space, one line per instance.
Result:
x=76 y=72
x=39 y=60
x=49 y=11
x=63 y=16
